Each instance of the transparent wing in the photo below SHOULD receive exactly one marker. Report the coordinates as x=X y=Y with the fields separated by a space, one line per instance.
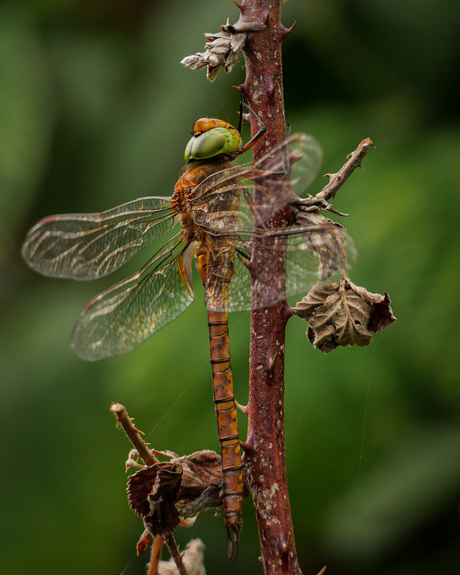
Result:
x=121 y=318
x=233 y=207
x=89 y=246
x=309 y=254
x=229 y=200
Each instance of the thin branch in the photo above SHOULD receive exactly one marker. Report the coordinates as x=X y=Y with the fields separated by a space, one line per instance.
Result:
x=319 y=202
x=155 y=555
x=147 y=456
x=133 y=433
x=337 y=180
x=175 y=554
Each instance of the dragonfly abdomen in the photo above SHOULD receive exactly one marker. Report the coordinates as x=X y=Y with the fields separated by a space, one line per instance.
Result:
x=227 y=422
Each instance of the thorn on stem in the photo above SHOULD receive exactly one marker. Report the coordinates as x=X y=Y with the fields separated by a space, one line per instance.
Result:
x=287 y=545
x=273 y=363
x=285 y=32
x=245 y=446
x=242 y=408
x=270 y=88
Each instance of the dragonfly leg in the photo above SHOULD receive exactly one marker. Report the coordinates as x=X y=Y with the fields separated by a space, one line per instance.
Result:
x=262 y=128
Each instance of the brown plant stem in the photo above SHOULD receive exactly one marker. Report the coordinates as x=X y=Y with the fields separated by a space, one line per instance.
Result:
x=133 y=434
x=175 y=554
x=337 y=180
x=265 y=447
x=147 y=456
x=155 y=555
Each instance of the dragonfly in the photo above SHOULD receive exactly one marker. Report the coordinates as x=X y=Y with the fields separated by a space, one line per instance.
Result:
x=211 y=217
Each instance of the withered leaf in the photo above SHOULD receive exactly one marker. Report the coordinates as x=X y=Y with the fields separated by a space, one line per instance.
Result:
x=152 y=493
x=205 y=467
x=341 y=314
x=201 y=482
x=143 y=542
x=186 y=484
x=222 y=51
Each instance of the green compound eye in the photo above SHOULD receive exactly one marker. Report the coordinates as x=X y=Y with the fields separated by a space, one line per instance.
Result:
x=212 y=143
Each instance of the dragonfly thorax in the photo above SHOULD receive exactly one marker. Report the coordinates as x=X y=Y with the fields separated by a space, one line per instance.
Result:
x=185 y=188
x=182 y=200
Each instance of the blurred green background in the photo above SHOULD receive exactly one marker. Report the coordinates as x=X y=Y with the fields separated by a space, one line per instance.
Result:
x=95 y=110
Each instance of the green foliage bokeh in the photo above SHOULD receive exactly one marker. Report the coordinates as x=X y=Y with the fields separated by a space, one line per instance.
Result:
x=95 y=110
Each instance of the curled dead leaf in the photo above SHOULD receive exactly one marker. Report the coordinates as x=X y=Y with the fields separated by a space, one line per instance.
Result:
x=222 y=48
x=222 y=51
x=201 y=482
x=162 y=492
x=341 y=314
x=152 y=493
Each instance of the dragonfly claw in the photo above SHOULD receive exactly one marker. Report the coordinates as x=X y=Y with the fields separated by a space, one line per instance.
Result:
x=233 y=542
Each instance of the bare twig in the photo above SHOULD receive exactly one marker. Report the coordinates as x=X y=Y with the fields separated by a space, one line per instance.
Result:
x=339 y=178
x=133 y=433
x=147 y=456
x=175 y=554
x=155 y=555
x=319 y=202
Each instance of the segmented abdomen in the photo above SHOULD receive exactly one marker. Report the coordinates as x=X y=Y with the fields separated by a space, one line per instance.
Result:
x=227 y=422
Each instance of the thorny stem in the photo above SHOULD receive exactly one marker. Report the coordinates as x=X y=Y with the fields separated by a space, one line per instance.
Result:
x=147 y=456
x=319 y=202
x=172 y=546
x=337 y=180
x=260 y=31
x=133 y=434
x=265 y=447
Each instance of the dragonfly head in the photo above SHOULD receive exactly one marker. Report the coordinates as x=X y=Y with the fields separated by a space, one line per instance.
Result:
x=212 y=138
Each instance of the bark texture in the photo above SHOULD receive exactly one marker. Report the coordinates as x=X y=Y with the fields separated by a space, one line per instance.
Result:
x=265 y=447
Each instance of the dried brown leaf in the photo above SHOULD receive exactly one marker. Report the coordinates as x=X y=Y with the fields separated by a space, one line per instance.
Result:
x=143 y=542
x=222 y=51
x=201 y=486
x=341 y=314
x=152 y=493
x=186 y=484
